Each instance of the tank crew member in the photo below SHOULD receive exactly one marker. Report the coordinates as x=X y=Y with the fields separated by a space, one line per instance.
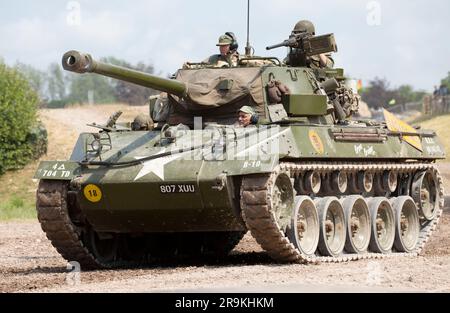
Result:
x=247 y=116
x=142 y=122
x=315 y=61
x=229 y=56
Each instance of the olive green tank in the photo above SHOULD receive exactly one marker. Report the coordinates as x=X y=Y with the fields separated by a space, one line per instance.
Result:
x=310 y=183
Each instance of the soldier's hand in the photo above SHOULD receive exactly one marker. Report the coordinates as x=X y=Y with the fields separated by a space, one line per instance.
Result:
x=323 y=60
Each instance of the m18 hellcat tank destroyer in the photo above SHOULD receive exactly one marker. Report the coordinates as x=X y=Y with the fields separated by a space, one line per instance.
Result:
x=308 y=182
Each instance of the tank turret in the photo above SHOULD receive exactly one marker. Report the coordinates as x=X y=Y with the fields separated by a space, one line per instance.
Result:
x=81 y=63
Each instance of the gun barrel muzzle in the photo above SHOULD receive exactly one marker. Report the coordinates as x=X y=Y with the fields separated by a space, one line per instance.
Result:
x=74 y=61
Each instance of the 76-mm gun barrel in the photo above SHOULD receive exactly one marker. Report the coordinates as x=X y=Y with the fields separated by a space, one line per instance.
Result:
x=81 y=63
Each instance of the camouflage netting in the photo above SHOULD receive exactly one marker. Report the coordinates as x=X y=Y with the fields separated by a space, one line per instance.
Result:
x=208 y=99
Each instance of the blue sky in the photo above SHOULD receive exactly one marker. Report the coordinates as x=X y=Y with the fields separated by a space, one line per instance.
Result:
x=405 y=41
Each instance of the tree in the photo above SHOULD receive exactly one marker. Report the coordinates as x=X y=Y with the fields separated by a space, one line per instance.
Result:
x=130 y=93
x=404 y=94
x=90 y=87
x=36 y=78
x=446 y=81
x=377 y=94
x=18 y=106
x=56 y=83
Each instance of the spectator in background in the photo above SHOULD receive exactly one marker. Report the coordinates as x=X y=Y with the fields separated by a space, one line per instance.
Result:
x=436 y=91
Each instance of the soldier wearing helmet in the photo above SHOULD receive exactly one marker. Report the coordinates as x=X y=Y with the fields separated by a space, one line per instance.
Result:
x=315 y=61
x=246 y=116
x=229 y=56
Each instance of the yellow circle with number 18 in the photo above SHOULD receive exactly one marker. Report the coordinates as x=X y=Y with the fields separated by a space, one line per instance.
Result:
x=93 y=193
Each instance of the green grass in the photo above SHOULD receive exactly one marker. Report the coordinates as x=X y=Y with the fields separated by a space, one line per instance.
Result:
x=17 y=208
x=441 y=125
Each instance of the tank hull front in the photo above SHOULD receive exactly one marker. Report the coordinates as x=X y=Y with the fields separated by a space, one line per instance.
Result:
x=189 y=202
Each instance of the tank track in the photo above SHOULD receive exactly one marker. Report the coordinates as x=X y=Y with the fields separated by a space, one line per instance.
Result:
x=53 y=215
x=260 y=218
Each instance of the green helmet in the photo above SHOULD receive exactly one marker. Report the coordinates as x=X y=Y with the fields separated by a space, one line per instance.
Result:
x=225 y=40
x=304 y=27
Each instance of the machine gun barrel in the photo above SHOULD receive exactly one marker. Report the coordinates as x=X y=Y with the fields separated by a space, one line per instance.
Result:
x=309 y=45
x=291 y=42
x=81 y=63
x=283 y=44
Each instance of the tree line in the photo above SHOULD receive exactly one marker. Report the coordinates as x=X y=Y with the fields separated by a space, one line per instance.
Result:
x=380 y=94
x=57 y=88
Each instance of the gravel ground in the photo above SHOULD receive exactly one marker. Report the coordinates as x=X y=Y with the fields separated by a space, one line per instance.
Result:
x=28 y=263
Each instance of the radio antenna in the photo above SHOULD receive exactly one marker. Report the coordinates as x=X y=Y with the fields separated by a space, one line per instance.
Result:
x=248 y=48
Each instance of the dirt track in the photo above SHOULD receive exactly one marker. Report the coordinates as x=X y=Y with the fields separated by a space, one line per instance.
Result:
x=29 y=263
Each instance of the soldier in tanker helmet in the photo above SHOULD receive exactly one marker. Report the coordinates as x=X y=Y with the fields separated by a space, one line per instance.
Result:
x=246 y=116
x=315 y=61
x=229 y=56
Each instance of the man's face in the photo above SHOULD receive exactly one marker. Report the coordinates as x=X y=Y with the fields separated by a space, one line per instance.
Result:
x=244 y=119
x=224 y=50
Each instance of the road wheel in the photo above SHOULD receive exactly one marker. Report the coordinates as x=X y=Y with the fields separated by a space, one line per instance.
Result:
x=304 y=230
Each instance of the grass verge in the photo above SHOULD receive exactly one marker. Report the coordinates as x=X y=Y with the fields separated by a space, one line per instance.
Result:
x=17 y=208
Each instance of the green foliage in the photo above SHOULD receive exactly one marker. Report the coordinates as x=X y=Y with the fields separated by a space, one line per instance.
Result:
x=446 y=81
x=58 y=88
x=130 y=93
x=18 y=105
x=98 y=86
x=36 y=78
x=56 y=83
x=38 y=138
x=406 y=94
x=17 y=208
x=379 y=94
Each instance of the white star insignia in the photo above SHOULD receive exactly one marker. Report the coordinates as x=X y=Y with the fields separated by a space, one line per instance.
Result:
x=156 y=166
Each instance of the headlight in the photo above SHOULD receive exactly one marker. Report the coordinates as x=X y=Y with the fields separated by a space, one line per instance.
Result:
x=97 y=146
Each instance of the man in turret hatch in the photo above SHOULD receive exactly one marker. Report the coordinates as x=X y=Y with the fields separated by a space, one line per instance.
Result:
x=246 y=116
x=229 y=56
x=295 y=58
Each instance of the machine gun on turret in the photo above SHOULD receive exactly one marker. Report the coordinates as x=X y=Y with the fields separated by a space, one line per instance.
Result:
x=304 y=45
x=309 y=44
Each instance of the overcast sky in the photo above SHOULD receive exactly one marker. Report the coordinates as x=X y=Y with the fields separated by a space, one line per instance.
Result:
x=406 y=42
